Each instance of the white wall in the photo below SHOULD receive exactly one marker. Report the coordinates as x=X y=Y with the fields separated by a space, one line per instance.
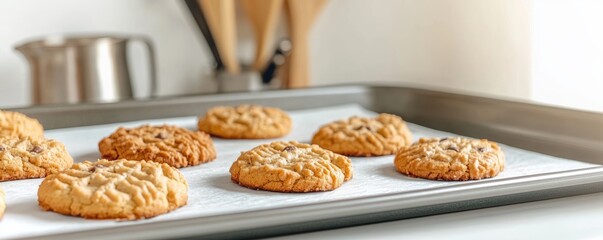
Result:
x=474 y=45
x=568 y=53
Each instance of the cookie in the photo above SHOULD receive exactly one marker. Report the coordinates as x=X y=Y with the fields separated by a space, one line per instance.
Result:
x=364 y=137
x=245 y=122
x=2 y=203
x=120 y=189
x=291 y=167
x=22 y=158
x=176 y=146
x=14 y=124
x=451 y=159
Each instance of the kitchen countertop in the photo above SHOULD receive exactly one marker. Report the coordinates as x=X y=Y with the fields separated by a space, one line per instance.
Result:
x=578 y=217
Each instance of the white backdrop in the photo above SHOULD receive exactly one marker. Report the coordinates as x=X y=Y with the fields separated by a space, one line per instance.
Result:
x=567 y=53
x=507 y=48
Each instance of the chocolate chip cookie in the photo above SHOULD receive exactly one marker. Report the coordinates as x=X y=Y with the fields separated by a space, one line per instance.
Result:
x=176 y=146
x=291 y=167
x=119 y=189
x=451 y=159
x=360 y=136
x=22 y=158
x=14 y=124
x=246 y=122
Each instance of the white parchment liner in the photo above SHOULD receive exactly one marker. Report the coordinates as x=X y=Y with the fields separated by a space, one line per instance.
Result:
x=211 y=190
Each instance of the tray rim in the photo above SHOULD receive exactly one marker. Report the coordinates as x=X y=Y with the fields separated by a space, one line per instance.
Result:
x=336 y=88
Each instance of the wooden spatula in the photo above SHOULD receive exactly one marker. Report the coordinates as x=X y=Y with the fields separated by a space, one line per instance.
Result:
x=301 y=15
x=221 y=19
x=264 y=16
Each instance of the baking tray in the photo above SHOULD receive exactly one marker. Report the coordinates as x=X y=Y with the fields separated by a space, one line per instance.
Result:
x=554 y=131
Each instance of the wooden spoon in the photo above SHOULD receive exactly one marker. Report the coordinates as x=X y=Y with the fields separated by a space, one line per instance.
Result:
x=264 y=15
x=301 y=15
x=221 y=19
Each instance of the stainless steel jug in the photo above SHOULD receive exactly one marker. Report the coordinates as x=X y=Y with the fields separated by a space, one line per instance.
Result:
x=82 y=69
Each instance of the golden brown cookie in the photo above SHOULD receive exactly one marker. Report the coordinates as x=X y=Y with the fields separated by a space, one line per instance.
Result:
x=2 y=202
x=120 y=189
x=22 y=158
x=14 y=124
x=245 y=122
x=173 y=145
x=451 y=159
x=291 y=167
x=364 y=137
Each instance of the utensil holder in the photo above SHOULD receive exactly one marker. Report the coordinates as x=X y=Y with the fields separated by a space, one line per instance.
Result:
x=247 y=80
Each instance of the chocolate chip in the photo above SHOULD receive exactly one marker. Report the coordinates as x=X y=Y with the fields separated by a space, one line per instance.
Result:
x=453 y=148
x=94 y=168
x=443 y=139
x=161 y=135
x=36 y=149
x=481 y=149
x=289 y=148
x=2 y=148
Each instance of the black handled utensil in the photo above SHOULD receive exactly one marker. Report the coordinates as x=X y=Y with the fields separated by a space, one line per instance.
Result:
x=283 y=49
x=197 y=13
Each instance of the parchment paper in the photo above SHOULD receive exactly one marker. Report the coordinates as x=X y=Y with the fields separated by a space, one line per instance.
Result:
x=211 y=190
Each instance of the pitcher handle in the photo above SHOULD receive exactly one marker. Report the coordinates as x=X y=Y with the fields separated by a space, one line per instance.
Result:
x=153 y=70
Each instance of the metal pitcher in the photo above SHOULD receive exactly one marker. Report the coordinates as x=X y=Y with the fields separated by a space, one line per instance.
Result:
x=82 y=69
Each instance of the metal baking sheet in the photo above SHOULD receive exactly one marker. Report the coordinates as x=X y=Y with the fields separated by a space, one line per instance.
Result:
x=377 y=192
